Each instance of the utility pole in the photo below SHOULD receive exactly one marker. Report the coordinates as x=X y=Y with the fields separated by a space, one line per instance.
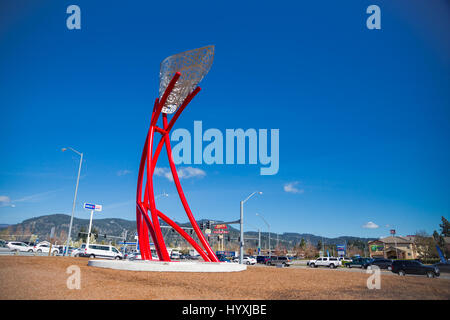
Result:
x=277 y=241
x=323 y=248
x=268 y=226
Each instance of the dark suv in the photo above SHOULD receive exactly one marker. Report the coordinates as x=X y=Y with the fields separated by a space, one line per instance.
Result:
x=274 y=260
x=380 y=263
x=403 y=267
x=262 y=259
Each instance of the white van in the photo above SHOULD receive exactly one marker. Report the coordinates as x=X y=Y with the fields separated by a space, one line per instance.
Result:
x=101 y=251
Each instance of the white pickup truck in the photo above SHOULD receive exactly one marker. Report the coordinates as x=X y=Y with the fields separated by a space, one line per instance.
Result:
x=330 y=262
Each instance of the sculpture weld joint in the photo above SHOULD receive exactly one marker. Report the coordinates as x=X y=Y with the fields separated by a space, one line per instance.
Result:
x=179 y=77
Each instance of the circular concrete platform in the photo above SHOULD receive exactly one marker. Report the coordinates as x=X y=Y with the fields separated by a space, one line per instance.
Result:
x=172 y=266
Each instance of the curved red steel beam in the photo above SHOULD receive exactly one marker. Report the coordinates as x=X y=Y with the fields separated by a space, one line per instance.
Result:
x=141 y=234
x=148 y=161
x=163 y=254
x=185 y=235
x=194 y=224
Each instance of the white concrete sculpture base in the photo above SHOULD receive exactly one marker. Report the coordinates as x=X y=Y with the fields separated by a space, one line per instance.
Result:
x=172 y=266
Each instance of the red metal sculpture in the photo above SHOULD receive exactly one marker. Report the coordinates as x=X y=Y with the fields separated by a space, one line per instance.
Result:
x=185 y=71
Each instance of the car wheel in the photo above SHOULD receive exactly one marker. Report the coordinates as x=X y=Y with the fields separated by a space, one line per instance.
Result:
x=247 y=263
x=39 y=250
x=332 y=266
x=92 y=256
x=312 y=265
x=117 y=258
x=369 y=267
x=430 y=274
x=349 y=266
x=31 y=250
x=401 y=273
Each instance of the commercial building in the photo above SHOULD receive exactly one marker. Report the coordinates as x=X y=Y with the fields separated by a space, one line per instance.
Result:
x=393 y=247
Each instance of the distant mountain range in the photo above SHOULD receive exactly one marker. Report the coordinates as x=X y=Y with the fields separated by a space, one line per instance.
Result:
x=114 y=227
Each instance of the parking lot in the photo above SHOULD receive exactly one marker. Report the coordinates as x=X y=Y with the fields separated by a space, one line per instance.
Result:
x=39 y=277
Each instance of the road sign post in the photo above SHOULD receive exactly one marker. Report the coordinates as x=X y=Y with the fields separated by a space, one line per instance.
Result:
x=92 y=207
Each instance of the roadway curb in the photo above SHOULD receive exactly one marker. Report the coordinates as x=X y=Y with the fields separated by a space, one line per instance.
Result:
x=163 y=266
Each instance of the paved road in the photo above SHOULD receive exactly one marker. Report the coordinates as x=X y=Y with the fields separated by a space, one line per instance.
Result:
x=300 y=265
x=30 y=254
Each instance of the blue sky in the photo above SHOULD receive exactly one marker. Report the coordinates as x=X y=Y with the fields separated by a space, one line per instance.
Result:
x=363 y=114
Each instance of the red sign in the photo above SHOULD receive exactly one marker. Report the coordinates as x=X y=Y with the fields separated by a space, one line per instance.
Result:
x=220 y=226
x=221 y=231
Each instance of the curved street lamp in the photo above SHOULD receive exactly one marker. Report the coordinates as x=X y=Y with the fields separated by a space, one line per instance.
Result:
x=74 y=198
x=241 y=242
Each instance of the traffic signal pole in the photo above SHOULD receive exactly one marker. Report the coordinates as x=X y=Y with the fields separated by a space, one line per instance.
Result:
x=89 y=232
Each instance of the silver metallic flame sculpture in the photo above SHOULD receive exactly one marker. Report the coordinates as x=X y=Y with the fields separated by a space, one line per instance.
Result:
x=193 y=66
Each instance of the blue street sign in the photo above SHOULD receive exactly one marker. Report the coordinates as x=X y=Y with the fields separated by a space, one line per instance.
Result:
x=89 y=206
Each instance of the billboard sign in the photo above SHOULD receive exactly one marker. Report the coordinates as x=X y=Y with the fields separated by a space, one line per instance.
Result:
x=220 y=231
x=220 y=226
x=340 y=250
x=377 y=247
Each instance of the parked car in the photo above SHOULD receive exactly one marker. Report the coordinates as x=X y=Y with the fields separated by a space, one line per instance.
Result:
x=274 y=260
x=19 y=246
x=246 y=260
x=77 y=252
x=359 y=263
x=330 y=262
x=380 y=263
x=223 y=258
x=175 y=256
x=69 y=251
x=443 y=266
x=262 y=259
x=344 y=259
x=402 y=267
x=250 y=260
x=101 y=251
x=135 y=255
x=45 y=248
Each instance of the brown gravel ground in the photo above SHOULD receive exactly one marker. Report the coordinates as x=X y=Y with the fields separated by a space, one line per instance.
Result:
x=45 y=278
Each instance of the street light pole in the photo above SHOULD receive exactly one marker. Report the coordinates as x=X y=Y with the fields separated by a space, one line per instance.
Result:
x=74 y=198
x=268 y=226
x=241 y=223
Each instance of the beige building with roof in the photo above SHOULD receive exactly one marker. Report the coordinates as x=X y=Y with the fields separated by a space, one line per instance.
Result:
x=393 y=247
